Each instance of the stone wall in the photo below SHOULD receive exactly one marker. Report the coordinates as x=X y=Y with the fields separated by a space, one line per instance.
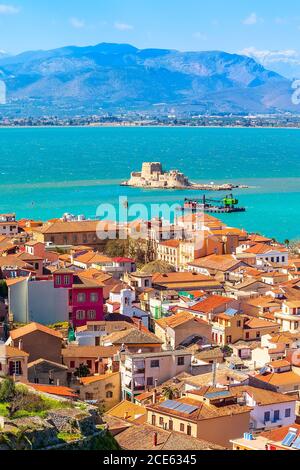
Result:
x=36 y=433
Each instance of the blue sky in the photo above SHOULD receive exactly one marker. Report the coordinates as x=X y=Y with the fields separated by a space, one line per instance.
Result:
x=267 y=30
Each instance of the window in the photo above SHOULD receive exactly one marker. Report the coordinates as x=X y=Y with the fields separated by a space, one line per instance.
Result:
x=189 y=430
x=154 y=364
x=15 y=368
x=182 y=428
x=267 y=417
x=287 y=413
x=80 y=315
x=94 y=297
x=171 y=425
x=239 y=324
x=66 y=280
x=161 y=421
x=81 y=298
x=180 y=361
x=91 y=314
x=109 y=394
x=72 y=364
x=89 y=396
x=247 y=335
x=89 y=364
x=58 y=280
x=276 y=415
x=153 y=420
x=150 y=381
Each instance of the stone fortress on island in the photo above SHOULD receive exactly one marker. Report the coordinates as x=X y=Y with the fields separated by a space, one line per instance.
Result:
x=153 y=176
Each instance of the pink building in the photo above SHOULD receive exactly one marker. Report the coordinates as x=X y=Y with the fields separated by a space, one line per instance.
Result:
x=85 y=297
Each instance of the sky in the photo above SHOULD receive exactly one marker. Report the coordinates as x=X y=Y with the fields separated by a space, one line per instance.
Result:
x=267 y=30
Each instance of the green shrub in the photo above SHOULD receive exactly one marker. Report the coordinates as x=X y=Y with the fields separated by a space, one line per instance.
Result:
x=7 y=390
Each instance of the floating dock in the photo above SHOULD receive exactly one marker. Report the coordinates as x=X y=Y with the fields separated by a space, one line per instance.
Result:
x=226 y=205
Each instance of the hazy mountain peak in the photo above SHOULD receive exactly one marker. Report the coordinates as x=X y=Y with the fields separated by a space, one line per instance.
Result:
x=120 y=76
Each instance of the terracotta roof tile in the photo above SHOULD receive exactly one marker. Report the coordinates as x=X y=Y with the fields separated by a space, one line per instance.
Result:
x=89 y=351
x=210 y=303
x=32 y=327
x=55 y=390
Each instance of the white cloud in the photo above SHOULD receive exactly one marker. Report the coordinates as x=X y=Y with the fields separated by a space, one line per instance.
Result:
x=77 y=23
x=267 y=57
x=252 y=19
x=8 y=9
x=285 y=62
x=123 y=26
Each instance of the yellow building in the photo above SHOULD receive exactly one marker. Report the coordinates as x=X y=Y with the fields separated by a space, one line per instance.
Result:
x=101 y=388
x=209 y=413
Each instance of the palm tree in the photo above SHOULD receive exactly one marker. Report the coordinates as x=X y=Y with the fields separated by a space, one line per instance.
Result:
x=169 y=392
x=287 y=243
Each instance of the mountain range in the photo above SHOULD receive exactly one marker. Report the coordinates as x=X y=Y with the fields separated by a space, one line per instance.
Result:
x=120 y=77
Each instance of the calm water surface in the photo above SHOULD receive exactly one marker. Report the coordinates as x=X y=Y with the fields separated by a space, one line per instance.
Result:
x=46 y=172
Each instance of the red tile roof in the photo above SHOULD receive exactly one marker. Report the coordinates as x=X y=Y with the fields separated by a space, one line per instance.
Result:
x=31 y=327
x=212 y=302
x=55 y=390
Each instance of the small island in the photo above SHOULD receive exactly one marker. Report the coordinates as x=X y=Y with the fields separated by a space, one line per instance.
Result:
x=153 y=176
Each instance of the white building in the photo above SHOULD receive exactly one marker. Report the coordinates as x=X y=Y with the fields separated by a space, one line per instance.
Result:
x=270 y=409
x=8 y=225
x=123 y=300
x=289 y=317
x=37 y=301
x=141 y=372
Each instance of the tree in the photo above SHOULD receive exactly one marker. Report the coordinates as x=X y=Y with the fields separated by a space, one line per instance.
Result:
x=227 y=351
x=3 y=289
x=157 y=267
x=169 y=392
x=82 y=371
x=287 y=243
x=140 y=250
x=7 y=390
x=116 y=248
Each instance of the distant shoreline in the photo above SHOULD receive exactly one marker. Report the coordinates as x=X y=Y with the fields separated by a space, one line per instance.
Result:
x=153 y=126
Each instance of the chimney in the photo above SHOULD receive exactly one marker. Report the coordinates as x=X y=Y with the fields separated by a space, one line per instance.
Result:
x=140 y=325
x=155 y=439
x=154 y=396
x=126 y=415
x=20 y=344
x=57 y=382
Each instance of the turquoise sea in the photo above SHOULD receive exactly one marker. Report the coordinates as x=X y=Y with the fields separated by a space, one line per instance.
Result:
x=45 y=172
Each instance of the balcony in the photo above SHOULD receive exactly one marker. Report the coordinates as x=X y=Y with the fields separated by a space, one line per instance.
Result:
x=139 y=388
